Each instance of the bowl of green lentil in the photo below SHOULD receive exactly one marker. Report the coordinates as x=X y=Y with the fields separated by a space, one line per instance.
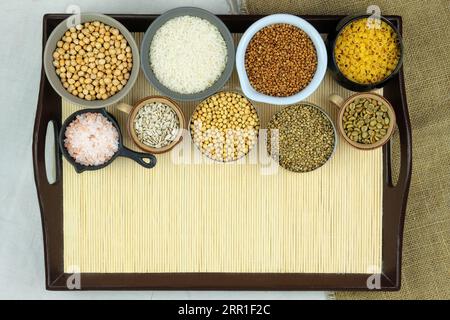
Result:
x=365 y=120
x=301 y=138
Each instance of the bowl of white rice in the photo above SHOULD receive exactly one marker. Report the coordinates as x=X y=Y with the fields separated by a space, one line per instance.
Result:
x=187 y=54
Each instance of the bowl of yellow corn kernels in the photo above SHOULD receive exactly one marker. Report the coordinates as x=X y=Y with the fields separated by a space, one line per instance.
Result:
x=364 y=52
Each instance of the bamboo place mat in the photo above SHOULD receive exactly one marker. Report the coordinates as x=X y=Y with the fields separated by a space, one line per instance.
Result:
x=426 y=240
x=211 y=217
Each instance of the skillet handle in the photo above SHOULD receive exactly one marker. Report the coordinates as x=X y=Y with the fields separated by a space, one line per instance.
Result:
x=146 y=160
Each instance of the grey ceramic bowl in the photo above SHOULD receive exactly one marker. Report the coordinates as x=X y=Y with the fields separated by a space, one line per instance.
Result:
x=53 y=78
x=195 y=12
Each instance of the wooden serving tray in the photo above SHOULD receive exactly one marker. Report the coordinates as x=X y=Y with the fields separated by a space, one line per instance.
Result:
x=52 y=209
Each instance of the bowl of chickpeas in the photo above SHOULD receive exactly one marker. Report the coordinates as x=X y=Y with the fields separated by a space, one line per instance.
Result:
x=364 y=52
x=91 y=60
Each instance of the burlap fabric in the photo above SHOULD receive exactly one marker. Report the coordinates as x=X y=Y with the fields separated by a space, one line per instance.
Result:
x=426 y=24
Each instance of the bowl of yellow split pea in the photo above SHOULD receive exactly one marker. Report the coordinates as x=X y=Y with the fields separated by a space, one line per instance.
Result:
x=364 y=52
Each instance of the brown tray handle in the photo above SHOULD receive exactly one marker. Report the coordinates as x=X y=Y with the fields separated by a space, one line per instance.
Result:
x=48 y=110
x=404 y=130
x=49 y=195
x=45 y=115
x=395 y=196
x=396 y=95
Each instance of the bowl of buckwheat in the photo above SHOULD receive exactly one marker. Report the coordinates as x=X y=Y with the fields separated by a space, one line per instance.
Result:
x=281 y=59
x=91 y=60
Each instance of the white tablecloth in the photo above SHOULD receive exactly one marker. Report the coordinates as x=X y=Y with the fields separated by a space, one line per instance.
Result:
x=21 y=246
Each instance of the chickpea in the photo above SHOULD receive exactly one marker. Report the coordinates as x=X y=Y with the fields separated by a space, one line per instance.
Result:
x=93 y=60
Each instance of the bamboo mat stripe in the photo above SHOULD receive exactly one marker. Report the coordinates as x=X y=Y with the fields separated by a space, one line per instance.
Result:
x=209 y=217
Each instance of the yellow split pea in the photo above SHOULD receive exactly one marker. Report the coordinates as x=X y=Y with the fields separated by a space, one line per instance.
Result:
x=367 y=53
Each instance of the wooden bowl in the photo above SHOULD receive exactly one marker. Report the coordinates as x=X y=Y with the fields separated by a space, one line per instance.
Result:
x=342 y=105
x=132 y=111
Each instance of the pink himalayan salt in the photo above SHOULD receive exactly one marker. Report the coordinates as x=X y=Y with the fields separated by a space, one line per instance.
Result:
x=91 y=139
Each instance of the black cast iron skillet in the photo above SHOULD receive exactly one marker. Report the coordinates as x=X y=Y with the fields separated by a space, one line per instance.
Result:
x=146 y=160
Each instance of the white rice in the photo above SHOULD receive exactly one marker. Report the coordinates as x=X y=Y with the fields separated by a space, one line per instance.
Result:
x=188 y=54
x=91 y=139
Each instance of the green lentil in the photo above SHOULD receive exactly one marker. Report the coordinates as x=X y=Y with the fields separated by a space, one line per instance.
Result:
x=306 y=138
